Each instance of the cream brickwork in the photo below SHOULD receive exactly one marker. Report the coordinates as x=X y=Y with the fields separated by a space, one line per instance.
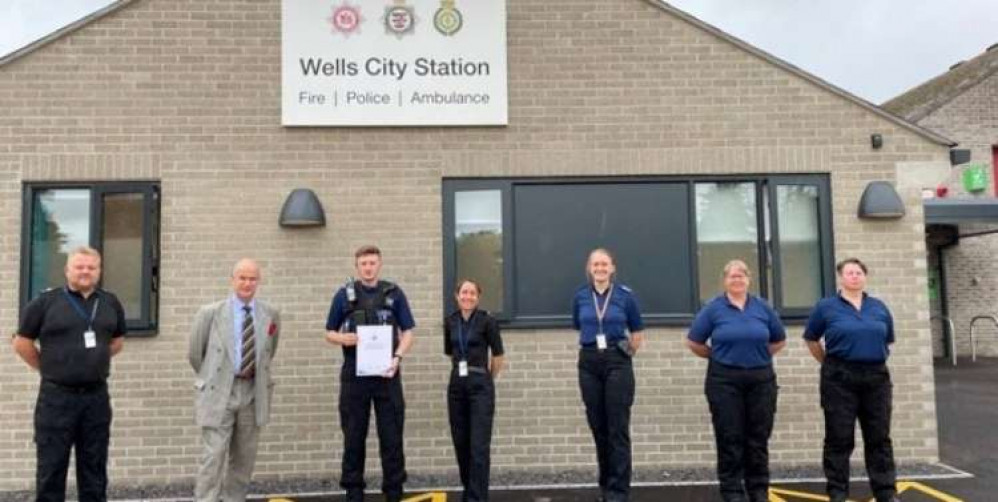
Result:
x=187 y=92
x=971 y=270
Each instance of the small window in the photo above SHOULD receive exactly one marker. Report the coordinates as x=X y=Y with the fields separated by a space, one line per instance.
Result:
x=121 y=220
x=799 y=249
x=478 y=239
x=727 y=229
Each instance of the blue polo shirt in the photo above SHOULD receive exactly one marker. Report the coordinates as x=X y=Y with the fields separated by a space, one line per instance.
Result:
x=853 y=335
x=738 y=337
x=622 y=314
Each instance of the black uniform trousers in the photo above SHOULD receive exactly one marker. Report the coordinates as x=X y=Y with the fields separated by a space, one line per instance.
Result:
x=471 y=404
x=606 y=379
x=742 y=405
x=356 y=397
x=77 y=418
x=849 y=391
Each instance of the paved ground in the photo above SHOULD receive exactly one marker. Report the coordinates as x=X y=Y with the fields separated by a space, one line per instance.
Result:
x=967 y=404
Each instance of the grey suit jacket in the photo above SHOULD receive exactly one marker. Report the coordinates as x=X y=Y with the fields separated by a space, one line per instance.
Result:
x=210 y=351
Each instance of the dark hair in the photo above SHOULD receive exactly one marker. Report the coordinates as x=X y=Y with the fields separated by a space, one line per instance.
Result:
x=462 y=282
x=366 y=250
x=854 y=261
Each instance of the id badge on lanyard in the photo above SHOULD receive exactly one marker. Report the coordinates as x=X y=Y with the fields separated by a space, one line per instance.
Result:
x=89 y=336
x=462 y=342
x=600 y=314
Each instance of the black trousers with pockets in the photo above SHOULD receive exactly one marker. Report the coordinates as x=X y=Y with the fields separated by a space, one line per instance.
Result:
x=72 y=418
x=357 y=394
x=851 y=391
x=606 y=379
x=471 y=404
x=742 y=405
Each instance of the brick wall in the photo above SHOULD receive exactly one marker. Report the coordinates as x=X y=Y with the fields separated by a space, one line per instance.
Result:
x=187 y=92
x=971 y=272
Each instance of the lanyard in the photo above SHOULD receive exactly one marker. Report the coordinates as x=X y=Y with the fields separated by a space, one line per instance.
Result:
x=601 y=313
x=79 y=309
x=463 y=336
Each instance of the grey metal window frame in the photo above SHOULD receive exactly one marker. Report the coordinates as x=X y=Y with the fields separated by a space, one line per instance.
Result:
x=765 y=186
x=147 y=324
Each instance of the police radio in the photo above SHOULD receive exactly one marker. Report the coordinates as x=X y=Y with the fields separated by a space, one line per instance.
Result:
x=351 y=291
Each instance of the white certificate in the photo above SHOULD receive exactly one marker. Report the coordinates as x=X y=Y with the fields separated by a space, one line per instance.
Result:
x=374 y=350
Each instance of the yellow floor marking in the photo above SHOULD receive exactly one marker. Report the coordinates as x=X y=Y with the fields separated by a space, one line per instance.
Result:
x=784 y=495
x=428 y=497
x=932 y=492
x=774 y=495
x=280 y=500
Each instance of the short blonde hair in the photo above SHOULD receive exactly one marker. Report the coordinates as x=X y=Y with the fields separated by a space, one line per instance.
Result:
x=736 y=264
x=85 y=251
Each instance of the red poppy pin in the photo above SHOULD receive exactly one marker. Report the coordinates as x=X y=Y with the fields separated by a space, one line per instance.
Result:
x=272 y=330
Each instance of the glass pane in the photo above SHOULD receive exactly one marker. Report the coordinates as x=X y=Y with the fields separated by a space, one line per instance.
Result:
x=645 y=225
x=478 y=238
x=60 y=222
x=122 y=241
x=800 y=249
x=727 y=229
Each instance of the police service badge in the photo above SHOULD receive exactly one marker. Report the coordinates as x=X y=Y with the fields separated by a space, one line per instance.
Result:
x=448 y=20
x=400 y=19
x=345 y=19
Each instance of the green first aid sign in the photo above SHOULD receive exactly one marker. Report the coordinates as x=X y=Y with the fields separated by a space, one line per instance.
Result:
x=975 y=178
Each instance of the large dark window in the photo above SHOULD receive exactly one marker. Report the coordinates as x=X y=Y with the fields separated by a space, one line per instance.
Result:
x=526 y=241
x=119 y=219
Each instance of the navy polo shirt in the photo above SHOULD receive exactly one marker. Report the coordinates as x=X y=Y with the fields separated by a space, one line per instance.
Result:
x=621 y=315
x=738 y=337
x=400 y=308
x=853 y=335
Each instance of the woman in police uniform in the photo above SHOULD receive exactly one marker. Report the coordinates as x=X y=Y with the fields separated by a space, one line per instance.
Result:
x=469 y=335
x=744 y=333
x=610 y=328
x=858 y=330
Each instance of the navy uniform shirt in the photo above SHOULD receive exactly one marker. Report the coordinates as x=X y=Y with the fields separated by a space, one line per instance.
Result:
x=471 y=340
x=738 y=337
x=58 y=326
x=621 y=315
x=853 y=335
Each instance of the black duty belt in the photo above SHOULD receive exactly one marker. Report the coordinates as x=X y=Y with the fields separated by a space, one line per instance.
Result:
x=75 y=389
x=473 y=369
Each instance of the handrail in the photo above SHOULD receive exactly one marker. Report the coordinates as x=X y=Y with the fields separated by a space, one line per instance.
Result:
x=952 y=334
x=973 y=343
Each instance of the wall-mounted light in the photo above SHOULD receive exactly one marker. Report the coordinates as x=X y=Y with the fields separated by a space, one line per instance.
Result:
x=876 y=141
x=880 y=201
x=302 y=209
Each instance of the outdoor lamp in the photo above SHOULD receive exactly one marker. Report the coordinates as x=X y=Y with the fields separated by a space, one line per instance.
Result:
x=880 y=201
x=302 y=209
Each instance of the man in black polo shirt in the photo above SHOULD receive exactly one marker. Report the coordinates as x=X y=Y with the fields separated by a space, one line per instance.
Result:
x=78 y=328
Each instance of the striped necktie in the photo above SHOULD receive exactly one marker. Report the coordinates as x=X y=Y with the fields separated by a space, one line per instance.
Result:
x=249 y=344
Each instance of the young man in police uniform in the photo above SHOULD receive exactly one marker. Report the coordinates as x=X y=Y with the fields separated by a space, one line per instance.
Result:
x=370 y=301
x=78 y=328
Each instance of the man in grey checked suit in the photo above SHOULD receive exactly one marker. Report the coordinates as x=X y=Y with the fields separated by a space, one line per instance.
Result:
x=231 y=347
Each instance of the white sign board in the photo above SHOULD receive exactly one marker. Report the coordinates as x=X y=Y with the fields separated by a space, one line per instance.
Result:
x=393 y=62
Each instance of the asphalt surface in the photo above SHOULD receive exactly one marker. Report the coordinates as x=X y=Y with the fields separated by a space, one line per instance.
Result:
x=967 y=407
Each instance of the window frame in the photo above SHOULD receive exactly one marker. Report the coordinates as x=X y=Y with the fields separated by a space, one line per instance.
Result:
x=768 y=244
x=148 y=322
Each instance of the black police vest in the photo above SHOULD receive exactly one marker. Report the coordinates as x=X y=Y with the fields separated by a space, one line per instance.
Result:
x=372 y=310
